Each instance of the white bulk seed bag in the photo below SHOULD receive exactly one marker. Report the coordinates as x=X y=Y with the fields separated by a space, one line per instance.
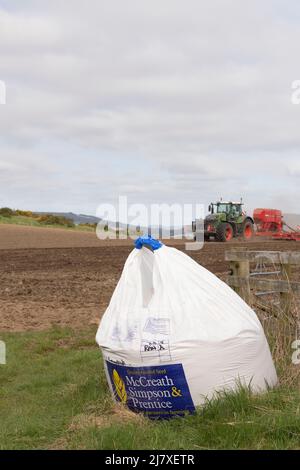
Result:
x=173 y=334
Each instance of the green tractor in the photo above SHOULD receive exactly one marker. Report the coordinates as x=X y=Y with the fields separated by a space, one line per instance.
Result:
x=227 y=220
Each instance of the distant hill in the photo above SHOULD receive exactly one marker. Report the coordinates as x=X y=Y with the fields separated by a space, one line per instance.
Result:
x=76 y=218
x=90 y=219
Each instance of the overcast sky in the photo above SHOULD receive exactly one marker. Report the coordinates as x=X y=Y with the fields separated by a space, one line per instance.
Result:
x=163 y=101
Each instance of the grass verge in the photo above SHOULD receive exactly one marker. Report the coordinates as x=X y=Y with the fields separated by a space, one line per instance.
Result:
x=53 y=394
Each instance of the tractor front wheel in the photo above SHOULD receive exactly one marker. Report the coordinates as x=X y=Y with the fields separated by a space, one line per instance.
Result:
x=248 y=230
x=224 y=232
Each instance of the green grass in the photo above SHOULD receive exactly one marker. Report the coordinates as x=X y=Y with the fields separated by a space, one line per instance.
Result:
x=53 y=394
x=33 y=222
x=19 y=220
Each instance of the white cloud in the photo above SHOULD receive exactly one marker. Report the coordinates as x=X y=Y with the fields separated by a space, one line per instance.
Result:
x=199 y=92
x=27 y=31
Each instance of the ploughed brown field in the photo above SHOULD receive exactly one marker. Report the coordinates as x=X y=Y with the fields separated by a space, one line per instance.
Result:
x=66 y=278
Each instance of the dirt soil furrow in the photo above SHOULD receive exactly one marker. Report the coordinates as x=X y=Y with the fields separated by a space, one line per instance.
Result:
x=42 y=286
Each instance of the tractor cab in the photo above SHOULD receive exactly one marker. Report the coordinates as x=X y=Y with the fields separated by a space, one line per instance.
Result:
x=229 y=208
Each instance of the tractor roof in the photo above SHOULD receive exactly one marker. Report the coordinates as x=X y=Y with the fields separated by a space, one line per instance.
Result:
x=229 y=202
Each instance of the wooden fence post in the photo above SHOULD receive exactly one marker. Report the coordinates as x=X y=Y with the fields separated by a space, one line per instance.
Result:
x=241 y=269
x=286 y=297
x=244 y=283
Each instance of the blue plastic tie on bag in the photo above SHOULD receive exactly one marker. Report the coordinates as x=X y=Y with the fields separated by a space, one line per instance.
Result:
x=148 y=241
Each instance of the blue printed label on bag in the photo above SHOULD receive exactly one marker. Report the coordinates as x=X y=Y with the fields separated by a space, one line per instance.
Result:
x=157 y=391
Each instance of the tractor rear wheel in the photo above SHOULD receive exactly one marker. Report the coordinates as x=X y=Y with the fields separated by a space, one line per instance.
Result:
x=248 y=230
x=224 y=232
